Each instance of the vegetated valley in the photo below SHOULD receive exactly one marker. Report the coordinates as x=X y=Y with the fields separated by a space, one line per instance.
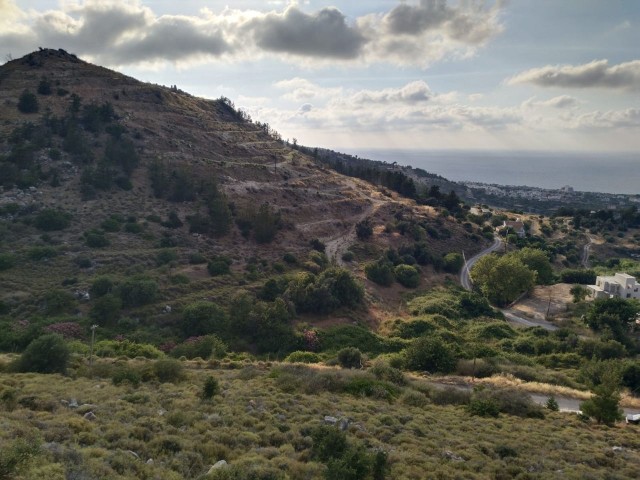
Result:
x=183 y=294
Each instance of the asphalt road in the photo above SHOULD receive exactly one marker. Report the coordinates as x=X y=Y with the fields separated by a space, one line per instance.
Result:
x=465 y=278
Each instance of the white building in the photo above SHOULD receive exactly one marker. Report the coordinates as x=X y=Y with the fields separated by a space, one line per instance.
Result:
x=619 y=285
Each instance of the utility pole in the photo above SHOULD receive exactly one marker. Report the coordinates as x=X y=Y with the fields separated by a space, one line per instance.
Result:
x=93 y=339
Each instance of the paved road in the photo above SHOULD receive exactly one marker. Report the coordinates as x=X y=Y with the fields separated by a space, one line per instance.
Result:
x=510 y=315
x=465 y=278
x=566 y=404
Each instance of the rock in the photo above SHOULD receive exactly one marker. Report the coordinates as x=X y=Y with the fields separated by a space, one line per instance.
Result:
x=219 y=464
x=329 y=420
x=449 y=455
x=131 y=452
x=344 y=424
x=617 y=449
x=150 y=461
x=166 y=309
x=89 y=416
x=73 y=403
x=161 y=412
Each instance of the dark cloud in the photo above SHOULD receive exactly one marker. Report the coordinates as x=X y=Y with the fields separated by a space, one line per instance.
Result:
x=470 y=23
x=596 y=74
x=173 y=39
x=323 y=34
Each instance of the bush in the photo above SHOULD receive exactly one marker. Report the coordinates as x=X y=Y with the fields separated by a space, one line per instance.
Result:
x=166 y=256
x=137 y=292
x=197 y=258
x=348 y=256
x=302 y=357
x=431 y=354
x=203 y=318
x=219 y=266
x=96 y=239
x=28 y=102
x=126 y=348
x=452 y=262
x=407 y=276
x=350 y=357
x=101 y=286
x=46 y=354
x=41 y=253
x=316 y=244
x=50 y=220
x=7 y=261
x=364 y=229
x=168 y=370
x=205 y=347
x=380 y=272
x=106 y=309
x=210 y=389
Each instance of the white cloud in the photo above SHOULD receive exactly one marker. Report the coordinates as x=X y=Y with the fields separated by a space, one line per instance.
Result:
x=596 y=74
x=119 y=32
x=560 y=102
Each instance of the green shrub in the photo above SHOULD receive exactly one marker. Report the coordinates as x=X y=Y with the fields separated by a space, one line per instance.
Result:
x=208 y=346
x=58 y=301
x=126 y=348
x=407 y=276
x=328 y=443
x=452 y=262
x=204 y=318
x=106 y=309
x=16 y=454
x=41 y=253
x=197 y=258
x=348 y=256
x=46 y=354
x=380 y=272
x=210 y=389
x=50 y=220
x=364 y=229
x=126 y=374
x=219 y=265
x=138 y=291
x=168 y=370
x=430 y=354
x=7 y=261
x=289 y=258
x=166 y=256
x=28 y=102
x=96 y=239
x=350 y=357
x=101 y=286
x=302 y=357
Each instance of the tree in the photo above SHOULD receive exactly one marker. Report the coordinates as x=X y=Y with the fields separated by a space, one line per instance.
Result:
x=604 y=405
x=613 y=314
x=203 y=318
x=502 y=279
x=431 y=354
x=364 y=229
x=537 y=261
x=350 y=357
x=28 y=102
x=46 y=354
x=265 y=224
x=579 y=293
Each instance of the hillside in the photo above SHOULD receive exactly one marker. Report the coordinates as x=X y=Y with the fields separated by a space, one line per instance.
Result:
x=179 y=287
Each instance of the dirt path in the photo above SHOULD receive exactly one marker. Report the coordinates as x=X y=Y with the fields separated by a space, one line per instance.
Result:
x=586 y=250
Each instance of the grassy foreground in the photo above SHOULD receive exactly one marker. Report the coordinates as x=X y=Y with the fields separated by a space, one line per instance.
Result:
x=263 y=420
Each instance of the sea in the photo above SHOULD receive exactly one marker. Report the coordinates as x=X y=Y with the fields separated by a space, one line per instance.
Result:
x=587 y=172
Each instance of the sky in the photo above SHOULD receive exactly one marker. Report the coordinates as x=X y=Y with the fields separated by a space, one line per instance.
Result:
x=541 y=75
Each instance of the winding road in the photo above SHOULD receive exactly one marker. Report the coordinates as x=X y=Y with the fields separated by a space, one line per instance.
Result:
x=465 y=281
x=465 y=277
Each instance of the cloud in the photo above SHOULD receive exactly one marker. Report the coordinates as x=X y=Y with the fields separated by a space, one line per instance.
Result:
x=612 y=119
x=467 y=22
x=596 y=74
x=324 y=34
x=119 y=32
x=560 y=102
x=412 y=93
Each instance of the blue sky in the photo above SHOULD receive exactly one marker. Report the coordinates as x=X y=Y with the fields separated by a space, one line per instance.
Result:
x=466 y=74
